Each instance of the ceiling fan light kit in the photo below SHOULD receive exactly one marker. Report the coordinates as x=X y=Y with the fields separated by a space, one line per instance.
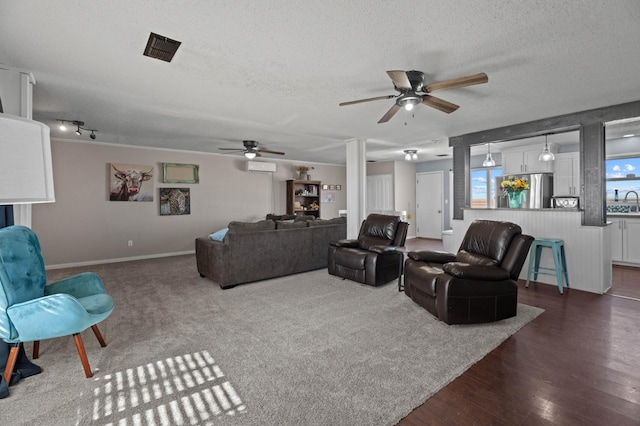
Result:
x=251 y=150
x=413 y=91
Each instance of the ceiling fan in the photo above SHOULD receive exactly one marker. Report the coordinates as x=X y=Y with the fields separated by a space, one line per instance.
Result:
x=413 y=91
x=251 y=150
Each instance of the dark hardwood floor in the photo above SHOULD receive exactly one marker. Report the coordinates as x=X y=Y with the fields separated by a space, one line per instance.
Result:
x=576 y=364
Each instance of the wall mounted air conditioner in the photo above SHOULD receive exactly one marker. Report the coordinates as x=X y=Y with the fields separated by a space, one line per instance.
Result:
x=259 y=166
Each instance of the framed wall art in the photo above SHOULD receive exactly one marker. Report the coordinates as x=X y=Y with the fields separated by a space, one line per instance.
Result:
x=180 y=173
x=175 y=201
x=130 y=182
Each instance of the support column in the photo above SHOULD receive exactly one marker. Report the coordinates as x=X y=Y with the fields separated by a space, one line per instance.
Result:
x=356 y=185
x=16 y=92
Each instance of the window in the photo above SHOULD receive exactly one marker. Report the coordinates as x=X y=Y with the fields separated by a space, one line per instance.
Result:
x=623 y=174
x=484 y=187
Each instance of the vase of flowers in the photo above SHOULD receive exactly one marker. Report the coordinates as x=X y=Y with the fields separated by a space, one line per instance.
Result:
x=513 y=188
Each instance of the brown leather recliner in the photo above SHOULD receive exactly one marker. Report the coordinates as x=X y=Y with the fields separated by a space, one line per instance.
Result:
x=372 y=259
x=478 y=284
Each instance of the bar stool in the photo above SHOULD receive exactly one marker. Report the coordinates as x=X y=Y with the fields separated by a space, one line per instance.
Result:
x=559 y=259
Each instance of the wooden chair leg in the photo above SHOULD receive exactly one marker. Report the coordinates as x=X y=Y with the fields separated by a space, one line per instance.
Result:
x=36 y=349
x=83 y=355
x=98 y=335
x=11 y=362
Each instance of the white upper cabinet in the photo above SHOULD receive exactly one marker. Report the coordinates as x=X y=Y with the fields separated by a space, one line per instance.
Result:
x=524 y=159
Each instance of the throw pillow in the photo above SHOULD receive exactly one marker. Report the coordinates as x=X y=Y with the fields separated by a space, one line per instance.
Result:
x=219 y=235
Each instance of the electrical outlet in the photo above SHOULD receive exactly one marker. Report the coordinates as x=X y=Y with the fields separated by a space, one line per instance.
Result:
x=130 y=243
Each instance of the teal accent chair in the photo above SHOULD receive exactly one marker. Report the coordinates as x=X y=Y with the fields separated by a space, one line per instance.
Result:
x=31 y=311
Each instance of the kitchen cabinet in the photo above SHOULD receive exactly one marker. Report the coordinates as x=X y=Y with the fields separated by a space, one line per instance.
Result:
x=303 y=197
x=625 y=240
x=566 y=174
x=525 y=160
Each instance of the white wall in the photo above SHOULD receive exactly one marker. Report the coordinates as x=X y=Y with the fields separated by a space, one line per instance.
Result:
x=84 y=227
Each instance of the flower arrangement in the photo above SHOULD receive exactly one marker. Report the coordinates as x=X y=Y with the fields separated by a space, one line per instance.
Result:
x=303 y=169
x=512 y=185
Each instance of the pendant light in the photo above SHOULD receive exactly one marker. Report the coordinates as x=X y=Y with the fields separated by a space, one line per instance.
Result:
x=489 y=161
x=546 y=155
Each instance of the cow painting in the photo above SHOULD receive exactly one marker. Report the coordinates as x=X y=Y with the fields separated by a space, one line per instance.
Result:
x=127 y=182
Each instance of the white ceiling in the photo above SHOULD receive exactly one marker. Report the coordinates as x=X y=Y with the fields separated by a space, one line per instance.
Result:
x=275 y=71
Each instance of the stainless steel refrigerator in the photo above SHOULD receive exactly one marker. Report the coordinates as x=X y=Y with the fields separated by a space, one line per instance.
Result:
x=537 y=197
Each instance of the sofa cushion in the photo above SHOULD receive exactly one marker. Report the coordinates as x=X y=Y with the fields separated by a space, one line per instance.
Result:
x=304 y=217
x=324 y=222
x=276 y=217
x=285 y=224
x=263 y=225
x=219 y=235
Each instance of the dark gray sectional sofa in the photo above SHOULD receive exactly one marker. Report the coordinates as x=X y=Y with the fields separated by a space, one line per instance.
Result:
x=267 y=249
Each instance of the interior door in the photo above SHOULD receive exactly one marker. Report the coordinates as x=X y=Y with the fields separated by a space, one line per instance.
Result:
x=379 y=194
x=429 y=205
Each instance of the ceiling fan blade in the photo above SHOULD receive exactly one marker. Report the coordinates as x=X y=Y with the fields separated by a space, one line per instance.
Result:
x=231 y=149
x=454 y=83
x=440 y=104
x=268 y=151
x=400 y=79
x=377 y=98
x=392 y=111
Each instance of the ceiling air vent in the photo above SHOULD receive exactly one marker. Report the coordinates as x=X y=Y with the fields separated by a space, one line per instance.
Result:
x=161 y=47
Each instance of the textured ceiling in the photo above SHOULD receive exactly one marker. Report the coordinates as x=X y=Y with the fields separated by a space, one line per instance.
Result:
x=276 y=71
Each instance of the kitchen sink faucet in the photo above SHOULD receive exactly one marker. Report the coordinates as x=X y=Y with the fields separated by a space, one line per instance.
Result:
x=637 y=202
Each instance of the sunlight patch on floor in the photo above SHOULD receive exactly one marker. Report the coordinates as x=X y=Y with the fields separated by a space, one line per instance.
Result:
x=187 y=389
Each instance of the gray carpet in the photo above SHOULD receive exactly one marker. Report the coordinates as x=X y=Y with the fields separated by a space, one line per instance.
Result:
x=307 y=349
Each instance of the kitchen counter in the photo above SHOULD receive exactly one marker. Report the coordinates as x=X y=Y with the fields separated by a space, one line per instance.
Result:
x=588 y=248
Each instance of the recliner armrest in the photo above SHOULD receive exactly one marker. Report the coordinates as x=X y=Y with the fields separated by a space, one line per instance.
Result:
x=382 y=249
x=432 y=256
x=475 y=272
x=345 y=243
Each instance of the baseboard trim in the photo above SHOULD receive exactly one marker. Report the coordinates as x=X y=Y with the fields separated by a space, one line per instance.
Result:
x=116 y=260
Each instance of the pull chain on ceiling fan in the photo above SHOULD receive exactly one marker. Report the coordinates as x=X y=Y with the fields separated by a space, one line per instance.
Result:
x=410 y=85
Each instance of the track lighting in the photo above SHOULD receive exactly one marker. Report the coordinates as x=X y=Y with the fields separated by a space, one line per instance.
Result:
x=546 y=155
x=489 y=161
x=410 y=154
x=79 y=127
